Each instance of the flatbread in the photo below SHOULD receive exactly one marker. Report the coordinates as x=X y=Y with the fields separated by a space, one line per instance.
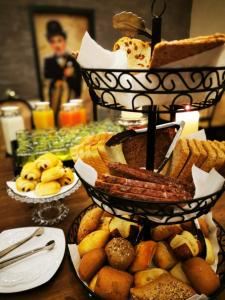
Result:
x=167 y=52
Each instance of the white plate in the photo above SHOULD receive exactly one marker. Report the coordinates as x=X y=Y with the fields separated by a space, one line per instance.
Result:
x=36 y=269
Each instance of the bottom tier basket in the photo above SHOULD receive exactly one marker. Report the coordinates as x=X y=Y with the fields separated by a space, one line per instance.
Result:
x=72 y=239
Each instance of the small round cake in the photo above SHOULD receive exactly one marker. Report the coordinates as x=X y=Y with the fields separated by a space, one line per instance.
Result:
x=120 y=253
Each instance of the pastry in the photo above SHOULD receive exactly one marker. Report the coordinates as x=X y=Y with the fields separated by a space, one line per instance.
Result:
x=113 y=284
x=24 y=185
x=92 y=283
x=185 y=245
x=138 y=52
x=89 y=222
x=144 y=253
x=120 y=253
x=48 y=188
x=210 y=256
x=30 y=171
x=178 y=273
x=46 y=161
x=201 y=275
x=144 y=277
x=164 y=257
x=166 y=287
x=67 y=178
x=95 y=239
x=91 y=263
x=52 y=174
x=191 y=227
x=163 y=232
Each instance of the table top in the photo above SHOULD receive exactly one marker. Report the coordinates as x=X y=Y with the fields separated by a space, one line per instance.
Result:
x=64 y=285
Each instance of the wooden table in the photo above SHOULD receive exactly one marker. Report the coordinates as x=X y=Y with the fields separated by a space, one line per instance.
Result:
x=64 y=284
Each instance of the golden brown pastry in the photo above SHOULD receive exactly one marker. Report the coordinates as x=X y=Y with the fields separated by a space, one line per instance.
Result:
x=201 y=275
x=144 y=277
x=24 y=185
x=46 y=161
x=178 y=273
x=95 y=239
x=210 y=256
x=48 y=188
x=166 y=287
x=52 y=174
x=67 y=178
x=89 y=222
x=91 y=263
x=113 y=284
x=163 y=232
x=120 y=253
x=30 y=171
x=164 y=257
x=144 y=253
x=92 y=283
x=185 y=245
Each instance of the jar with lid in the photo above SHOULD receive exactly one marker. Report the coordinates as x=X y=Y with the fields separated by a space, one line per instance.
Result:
x=11 y=122
x=72 y=113
x=133 y=120
x=43 y=116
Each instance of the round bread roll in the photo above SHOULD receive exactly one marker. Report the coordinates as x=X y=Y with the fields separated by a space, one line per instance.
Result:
x=90 y=263
x=120 y=253
x=202 y=277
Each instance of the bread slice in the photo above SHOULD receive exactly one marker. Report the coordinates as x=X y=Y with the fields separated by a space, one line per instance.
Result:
x=203 y=154
x=167 y=52
x=220 y=155
x=210 y=162
x=166 y=287
x=221 y=146
x=180 y=156
x=193 y=159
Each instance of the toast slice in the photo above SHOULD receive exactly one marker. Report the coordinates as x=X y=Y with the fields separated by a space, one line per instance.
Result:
x=193 y=159
x=203 y=153
x=180 y=156
x=210 y=162
x=220 y=155
x=221 y=146
x=165 y=287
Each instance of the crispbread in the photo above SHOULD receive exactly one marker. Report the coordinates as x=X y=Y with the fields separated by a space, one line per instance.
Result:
x=193 y=159
x=210 y=162
x=180 y=156
x=220 y=156
x=167 y=52
x=203 y=154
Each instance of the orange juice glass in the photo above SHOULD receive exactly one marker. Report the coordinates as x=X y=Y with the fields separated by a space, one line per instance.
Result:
x=43 y=116
x=72 y=113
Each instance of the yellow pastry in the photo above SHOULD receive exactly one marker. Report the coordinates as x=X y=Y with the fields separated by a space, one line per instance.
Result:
x=48 y=188
x=52 y=174
x=47 y=161
x=67 y=178
x=30 y=171
x=24 y=185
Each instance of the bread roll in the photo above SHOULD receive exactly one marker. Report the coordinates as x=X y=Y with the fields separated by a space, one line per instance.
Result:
x=201 y=275
x=92 y=283
x=90 y=263
x=144 y=277
x=178 y=273
x=48 y=188
x=163 y=232
x=46 y=161
x=120 y=253
x=24 y=185
x=30 y=171
x=164 y=257
x=52 y=174
x=67 y=178
x=113 y=284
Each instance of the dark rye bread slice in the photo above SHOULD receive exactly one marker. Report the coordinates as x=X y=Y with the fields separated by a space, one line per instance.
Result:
x=168 y=52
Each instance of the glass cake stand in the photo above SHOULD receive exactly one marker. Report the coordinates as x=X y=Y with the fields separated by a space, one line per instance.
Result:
x=47 y=210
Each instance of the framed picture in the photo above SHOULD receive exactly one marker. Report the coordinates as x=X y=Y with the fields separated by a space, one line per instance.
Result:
x=57 y=33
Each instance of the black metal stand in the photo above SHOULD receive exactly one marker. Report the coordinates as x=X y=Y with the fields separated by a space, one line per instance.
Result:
x=151 y=135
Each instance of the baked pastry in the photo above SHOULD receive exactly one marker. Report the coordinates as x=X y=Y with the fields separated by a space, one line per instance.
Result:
x=67 y=178
x=144 y=277
x=210 y=256
x=113 y=284
x=95 y=239
x=166 y=287
x=178 y=273
x=24 y=185
x=92 y=283
x=30 y=171
x=120 y=253
x=47 y=188
x=138 y=52
x=91 y=263
x=46 y=161
x=144 y=253
x=164 y=257
x=201 y=275
x=89 y=222
x=163 y=232
x=189 y=226
x=52 y=174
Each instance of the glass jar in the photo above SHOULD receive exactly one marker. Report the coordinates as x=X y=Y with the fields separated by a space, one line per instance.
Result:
x=72 y=113
x=133 y=120
x=11 y=122
x=43 y=116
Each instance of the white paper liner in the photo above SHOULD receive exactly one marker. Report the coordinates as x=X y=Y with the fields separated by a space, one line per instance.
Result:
x=92 y=55
x=75 y=257
x=32 y=195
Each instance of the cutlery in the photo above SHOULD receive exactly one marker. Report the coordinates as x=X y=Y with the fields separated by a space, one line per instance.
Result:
x=39 y=231
x=48 y=246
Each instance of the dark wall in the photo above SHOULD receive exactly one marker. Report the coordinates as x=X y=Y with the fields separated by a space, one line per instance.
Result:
x=17 y=68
